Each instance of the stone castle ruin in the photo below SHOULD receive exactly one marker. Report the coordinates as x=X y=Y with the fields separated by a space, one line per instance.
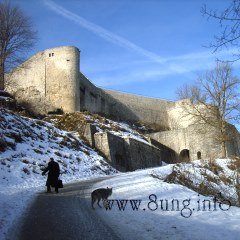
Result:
x=51 y=81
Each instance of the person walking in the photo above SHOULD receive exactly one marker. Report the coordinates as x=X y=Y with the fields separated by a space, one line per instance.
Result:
x=53 y=174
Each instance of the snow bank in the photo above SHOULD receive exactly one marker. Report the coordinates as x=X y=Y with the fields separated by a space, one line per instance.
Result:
x=158 y=217
x=209 y=177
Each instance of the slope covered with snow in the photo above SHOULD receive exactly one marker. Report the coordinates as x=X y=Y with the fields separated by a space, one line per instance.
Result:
x=28 y=144
x=143 y=206
x=209 y=177
x=25 y=148
x=76 y=122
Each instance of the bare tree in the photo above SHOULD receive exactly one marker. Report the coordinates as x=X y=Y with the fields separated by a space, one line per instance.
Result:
x=229 y=20
x=216 y=100
x=16 y=37
x=191 y=92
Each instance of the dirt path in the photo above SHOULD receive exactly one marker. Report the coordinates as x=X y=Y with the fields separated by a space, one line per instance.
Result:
x=67 y=215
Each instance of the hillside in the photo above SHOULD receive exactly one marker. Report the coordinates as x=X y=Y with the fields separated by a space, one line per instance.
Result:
x=122 y=144
x=77 y=122
x=27 y=144
x=219 y=177
x=25 y=147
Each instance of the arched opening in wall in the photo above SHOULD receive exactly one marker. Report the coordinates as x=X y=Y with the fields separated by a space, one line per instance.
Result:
x=184 y=156
x=199 y=155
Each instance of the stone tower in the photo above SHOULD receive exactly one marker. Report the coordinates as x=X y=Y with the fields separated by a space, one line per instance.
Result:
x=48 y=81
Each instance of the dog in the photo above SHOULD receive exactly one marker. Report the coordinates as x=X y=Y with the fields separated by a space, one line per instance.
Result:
x=101 y=193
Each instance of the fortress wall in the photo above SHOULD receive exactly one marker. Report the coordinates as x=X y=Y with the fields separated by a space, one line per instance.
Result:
x=90 y=96
x=118 y=152
x=142 y=155
x=178 y=116
x=146 y=110
x=168 y=155
x=48 y=80
x=233 y=145
x=182 y=115
x=195 y=138
x=113 y=148
x=157 y=113
x=89 y=132
x=127 y=154
x=96 y=100
x=27 y=82
x=174 y=139
x=102 y=144
x=123 y=106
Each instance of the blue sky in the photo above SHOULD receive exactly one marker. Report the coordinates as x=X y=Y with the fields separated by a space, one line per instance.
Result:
x=146 y=47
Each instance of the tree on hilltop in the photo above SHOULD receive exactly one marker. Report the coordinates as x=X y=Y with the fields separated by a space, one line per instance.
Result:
x=16 y=37
x=215 y=101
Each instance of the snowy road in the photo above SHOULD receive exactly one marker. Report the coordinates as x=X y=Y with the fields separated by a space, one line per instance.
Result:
x=67 y=215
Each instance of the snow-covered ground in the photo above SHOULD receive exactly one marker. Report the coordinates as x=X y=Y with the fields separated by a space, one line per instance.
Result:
x=152 y=221
x=25 y=148
x=209 y=177
x=70 y=121
x=27 y=144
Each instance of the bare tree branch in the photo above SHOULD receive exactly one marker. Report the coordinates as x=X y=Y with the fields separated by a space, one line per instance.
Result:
x=229 y=20
x=16 y=37
x=216 y=100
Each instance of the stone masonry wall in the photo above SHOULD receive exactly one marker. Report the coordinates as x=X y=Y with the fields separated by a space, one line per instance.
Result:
x=101 y=143
x=124 y=106
x=89 y=131
x=195 y=138
x=127 y=154
x=159 y=114
x=168 y=155
x=146 y=110
x=118 y=152
x=142 y=155
x=48 y=80
x=113 y=148
x=96 y=100
x=233 y=145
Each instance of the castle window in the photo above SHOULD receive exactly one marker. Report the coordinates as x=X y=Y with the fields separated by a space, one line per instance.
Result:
x=82 y=89
x=52 y=54
x=68 y=60
x=49 y=54
x=199 y=155
x=93 y=95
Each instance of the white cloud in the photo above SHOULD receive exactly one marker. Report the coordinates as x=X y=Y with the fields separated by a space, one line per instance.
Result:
x=156 y=68
x=185 y=66
x=101 y=32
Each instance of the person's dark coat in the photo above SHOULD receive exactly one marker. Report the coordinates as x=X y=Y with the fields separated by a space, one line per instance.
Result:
x=53 y=173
